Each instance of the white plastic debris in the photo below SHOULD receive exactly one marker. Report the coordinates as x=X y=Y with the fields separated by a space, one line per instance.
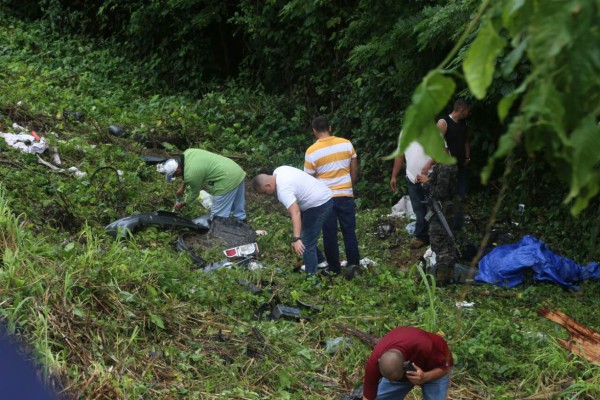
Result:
x=464 y=304
x=260 y=232
x=430 y=258
x=365 y=262
x=410 y=228
x=24 y=142
x=403 y=208
x=255 y=265
x=206 y=199
x=77 y=172
x=333 y=345
x=18 y=128
x=55 y=157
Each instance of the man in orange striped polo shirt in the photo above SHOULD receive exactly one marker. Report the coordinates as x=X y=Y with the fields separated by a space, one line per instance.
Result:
x=333 y=160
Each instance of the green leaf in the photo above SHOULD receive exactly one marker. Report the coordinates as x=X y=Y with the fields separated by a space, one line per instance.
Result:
x=156 y=320
x=430 y=97
x=585 y=183
x=513 y=58
x=481 y=57
x=507 y=101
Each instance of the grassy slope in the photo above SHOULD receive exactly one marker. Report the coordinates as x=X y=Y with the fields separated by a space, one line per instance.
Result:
x=132 y=320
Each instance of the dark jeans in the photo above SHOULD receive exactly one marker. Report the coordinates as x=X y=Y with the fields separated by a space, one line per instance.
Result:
x=417 y=199
x=312 y=225
x=344 y=212
x=462 y=178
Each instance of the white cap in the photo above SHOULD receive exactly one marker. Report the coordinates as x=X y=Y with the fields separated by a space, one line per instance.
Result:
x=168 y=168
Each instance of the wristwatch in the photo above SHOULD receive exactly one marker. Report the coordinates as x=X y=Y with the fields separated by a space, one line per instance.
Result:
x=295 y=238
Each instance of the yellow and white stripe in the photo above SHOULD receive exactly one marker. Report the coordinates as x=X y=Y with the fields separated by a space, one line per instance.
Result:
x=329 y=160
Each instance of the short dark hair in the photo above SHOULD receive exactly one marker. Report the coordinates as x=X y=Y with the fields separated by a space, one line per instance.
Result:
x=461 y=104
x=320 y=124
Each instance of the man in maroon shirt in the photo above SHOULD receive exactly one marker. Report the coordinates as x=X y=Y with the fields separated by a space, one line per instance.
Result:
x=405 y=357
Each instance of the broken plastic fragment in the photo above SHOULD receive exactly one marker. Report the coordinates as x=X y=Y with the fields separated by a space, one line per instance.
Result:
x=464 y=304
x=285 y=311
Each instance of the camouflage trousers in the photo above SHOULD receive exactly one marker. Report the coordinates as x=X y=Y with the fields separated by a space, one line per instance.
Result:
x=445 y=252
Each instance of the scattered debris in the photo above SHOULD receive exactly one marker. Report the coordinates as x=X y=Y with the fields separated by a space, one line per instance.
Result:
x=365 y=337
x=385 y=230
x=25 y=142
x=245 y=250
x=313 y=307
x=403 y=208
x=464 y=304
x=116 y=131
x=357 y=394
x=252 y=288
x=411 y=227
x=231 y=231
x=583 y=341
x=333 y=345
x=73 y=115
x=367 y=262
x=133 y=223
x=260 y=232
x=55 y=157
x=280 y=311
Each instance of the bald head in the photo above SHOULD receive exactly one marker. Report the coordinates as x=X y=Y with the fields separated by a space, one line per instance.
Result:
x=264 y=183
x=391 y=365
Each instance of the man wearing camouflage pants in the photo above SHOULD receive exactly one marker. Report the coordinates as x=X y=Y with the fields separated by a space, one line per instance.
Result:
x=442 y=186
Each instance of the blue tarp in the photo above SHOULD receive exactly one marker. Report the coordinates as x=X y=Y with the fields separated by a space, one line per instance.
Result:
x=505 y=266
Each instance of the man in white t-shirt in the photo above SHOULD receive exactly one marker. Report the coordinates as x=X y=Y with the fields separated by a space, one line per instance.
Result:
x=309 y=202
x=416 y=159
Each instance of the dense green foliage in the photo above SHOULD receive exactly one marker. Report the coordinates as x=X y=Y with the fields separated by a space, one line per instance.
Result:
x=132 y=320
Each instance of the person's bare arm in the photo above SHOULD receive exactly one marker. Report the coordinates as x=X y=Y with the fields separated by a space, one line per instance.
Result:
x=420 y=377
x=442 y=126
x=354 y=170
x=181 y=190
x=294 y=211
x=398 y=164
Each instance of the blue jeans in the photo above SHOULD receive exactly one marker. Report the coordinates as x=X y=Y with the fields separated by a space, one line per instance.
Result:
x=343 y=211
x=312 y=225
x=417 y=199
x=232 y=202
x=432 y=390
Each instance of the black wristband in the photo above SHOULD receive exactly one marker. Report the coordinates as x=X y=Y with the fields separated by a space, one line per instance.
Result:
x=295 y=238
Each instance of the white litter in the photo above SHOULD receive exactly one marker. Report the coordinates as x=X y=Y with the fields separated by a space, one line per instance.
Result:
x=206 y=199
x=260 y=232
x=321 y=265
x=430 y=258
x=403 y=208
x=24 y=142
x=410 y=228
x=365 y=262
x=464 y=304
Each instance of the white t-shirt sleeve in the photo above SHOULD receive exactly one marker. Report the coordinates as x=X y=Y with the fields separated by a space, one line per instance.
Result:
x=286 y=196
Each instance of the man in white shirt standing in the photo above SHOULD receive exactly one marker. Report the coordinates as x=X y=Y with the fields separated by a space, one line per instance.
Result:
x=309 y=202
x=416 y=159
